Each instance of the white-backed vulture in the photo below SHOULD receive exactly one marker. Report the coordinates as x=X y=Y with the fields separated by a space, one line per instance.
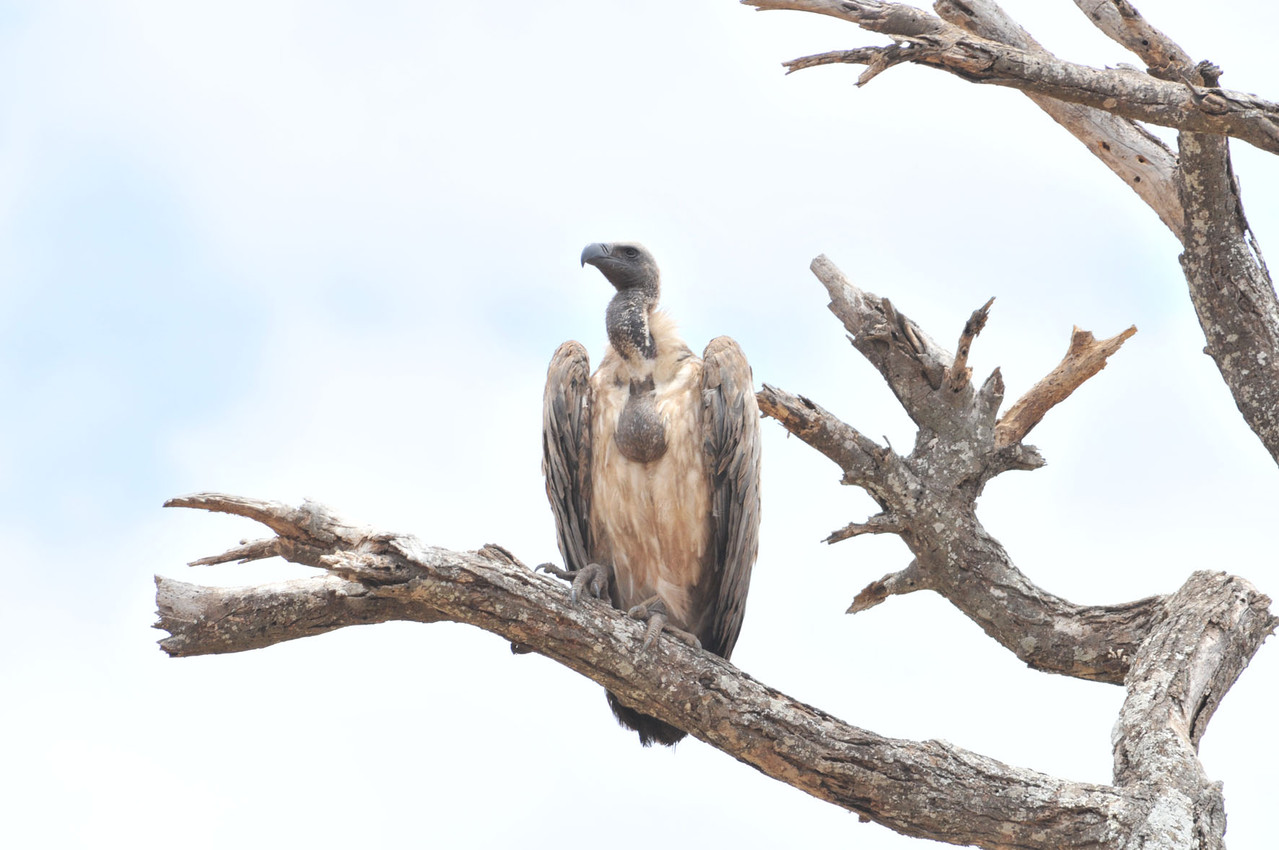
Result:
x=652 y=470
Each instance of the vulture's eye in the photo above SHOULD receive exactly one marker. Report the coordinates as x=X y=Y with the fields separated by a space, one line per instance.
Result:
x=632 y=253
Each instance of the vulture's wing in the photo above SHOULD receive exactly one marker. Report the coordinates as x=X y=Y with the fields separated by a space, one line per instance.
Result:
x=566 y=450
x=730 y=429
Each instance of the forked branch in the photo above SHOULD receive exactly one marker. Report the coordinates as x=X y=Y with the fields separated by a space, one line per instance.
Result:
x=929 y=497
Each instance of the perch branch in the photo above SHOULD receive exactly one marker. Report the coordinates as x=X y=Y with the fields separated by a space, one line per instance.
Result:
x=928 y=789
x=1203 y=637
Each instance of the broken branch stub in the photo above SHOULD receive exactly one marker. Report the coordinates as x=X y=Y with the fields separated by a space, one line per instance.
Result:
x=1085 y=357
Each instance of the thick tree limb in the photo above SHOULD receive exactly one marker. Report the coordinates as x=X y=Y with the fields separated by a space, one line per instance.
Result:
x=1192 y=657
x=925 y=39
x=928 y=789
x=1230 y=285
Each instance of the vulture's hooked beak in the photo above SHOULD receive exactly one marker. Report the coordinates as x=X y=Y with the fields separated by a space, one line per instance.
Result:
x=596 y=251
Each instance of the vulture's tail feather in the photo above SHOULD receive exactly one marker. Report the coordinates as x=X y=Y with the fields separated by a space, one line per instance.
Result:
x=650 y=729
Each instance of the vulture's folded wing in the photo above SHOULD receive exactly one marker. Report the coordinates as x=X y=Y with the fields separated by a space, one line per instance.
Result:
x=566 y=450
x=730 y=427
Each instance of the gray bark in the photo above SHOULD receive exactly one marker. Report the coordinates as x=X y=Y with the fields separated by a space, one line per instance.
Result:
x=1139 y=159
x=929 y=497
x=928 y=789
x=922 y=38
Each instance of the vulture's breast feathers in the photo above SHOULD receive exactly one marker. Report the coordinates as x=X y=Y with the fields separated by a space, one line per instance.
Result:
x=650 y=483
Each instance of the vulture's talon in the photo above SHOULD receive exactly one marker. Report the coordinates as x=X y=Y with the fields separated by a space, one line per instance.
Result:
x=548 y=567
x=655 y=625
x=653 y=613
x=593 y=578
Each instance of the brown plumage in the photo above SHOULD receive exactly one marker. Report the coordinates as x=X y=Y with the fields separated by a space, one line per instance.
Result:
x=652 y=469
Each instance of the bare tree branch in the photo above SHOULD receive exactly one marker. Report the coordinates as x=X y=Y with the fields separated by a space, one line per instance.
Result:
x=1121 y=21
x=903 y=354
x=931 y=495
x=1194 y=194
x=924 y=39
x=1084 y=358
x=928 y=789
x=909 y=580
x=1230 y=286
x=864 y=462
x=213 y=620
x=884 y=523
x=1141 y=160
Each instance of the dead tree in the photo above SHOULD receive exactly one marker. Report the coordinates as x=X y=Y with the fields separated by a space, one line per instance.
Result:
x=1176 y=656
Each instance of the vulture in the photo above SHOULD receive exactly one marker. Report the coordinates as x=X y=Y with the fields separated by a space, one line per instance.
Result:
x=652 y=471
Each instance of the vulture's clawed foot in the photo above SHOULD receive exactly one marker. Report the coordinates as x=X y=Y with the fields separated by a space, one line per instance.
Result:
x=653 y=612
x=592 y=578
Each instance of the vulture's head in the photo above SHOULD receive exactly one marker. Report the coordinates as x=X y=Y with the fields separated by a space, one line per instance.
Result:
x=627 y=265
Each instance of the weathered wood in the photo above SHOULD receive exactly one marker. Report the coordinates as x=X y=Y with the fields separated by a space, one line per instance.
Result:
x=920 y=788
x=922 y=38
x=213 y=620
x=929 y=497
x=928 y=789
x=1190 y=660
x=1193 y=193
x=1085 y=357
x=1141 y=160
x=1230 y=285
x=958 y=375
x=1121 y=21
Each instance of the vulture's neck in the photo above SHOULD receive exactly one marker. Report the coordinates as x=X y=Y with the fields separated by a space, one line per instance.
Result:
x=627 y=323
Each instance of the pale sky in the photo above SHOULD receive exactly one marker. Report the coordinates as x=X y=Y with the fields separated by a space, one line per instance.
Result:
x=325 y=250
